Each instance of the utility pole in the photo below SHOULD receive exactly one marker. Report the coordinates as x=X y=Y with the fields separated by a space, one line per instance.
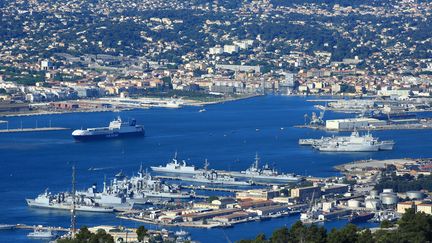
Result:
x=73 y=216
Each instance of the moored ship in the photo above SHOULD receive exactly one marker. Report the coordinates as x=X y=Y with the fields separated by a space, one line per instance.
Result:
x=360 y=217
x=265 y=173
x=355 y=143
x=116 y=129
x=213 y=177
x=63 y=201
x=176 y=167
x=141 y=188
x=42 y=234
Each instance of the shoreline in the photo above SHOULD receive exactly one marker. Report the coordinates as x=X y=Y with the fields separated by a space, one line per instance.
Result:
x=209 y=225
x=191 y=103
x=348 y=167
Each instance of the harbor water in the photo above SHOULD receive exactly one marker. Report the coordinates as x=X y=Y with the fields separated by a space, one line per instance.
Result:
x=227 y=134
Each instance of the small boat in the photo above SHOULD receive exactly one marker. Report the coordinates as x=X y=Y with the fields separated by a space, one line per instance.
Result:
x=40 y=233
x=202 y=110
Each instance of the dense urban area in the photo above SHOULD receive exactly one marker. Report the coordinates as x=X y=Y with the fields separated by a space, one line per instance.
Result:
x=52 y=51
x=370 y=60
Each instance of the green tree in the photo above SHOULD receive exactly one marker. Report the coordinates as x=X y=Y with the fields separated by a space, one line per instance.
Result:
x=141 y=233
x=386 y=224
x=280 y=235
x=85 y=236
x=260 y=239
x=212 y=198
x=415 y=227
x=347 y=234
x=365 y=236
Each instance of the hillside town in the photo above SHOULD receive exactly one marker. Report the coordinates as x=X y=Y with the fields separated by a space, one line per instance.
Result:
x=54 y=51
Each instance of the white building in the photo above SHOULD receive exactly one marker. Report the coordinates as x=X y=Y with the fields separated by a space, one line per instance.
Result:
x=352 y=123
x=231 y=49
x=216 y=50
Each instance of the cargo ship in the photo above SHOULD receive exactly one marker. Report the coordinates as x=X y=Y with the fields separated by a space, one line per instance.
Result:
x=116 y=129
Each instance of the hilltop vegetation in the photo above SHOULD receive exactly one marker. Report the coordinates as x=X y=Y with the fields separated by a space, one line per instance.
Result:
x=412 y=227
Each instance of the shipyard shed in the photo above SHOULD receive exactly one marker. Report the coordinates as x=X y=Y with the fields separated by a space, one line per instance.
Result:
x=353 y=123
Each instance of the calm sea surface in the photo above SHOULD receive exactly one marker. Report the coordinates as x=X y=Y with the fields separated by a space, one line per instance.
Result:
x=228 y=135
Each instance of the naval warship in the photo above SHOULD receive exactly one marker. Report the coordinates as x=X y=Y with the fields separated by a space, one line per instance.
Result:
x=142 y=187
x=116 y=129
x=354 y=143
x=213 y=177
x=176 y=167
x=265 y=173
x=63 y=201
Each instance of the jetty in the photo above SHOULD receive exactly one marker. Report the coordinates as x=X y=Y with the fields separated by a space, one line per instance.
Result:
x=37 y=129
x=41 y=227
x=206 y=188
x=416 y=126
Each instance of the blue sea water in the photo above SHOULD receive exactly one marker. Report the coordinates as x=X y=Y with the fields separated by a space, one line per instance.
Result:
x=227 y=134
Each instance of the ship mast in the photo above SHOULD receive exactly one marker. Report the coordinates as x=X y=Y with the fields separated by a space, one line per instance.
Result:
x=73 y=216
x=256 y=160
x=206 y=164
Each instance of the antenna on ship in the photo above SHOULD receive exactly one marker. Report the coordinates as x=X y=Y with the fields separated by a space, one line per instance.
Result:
x=73 y=216
x=206 y=164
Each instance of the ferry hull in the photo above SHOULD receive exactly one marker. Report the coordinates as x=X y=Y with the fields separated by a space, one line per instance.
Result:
x=83 y=138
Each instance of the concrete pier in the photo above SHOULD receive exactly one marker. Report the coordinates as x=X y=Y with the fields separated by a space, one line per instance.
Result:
x=32 y=227
x=39 y=129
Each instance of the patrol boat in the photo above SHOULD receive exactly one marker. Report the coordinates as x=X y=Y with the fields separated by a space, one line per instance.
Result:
x=116 y=129
x=42 y=234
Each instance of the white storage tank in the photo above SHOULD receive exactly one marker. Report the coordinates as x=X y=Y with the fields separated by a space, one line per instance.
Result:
x=388 y=198
x=372 y=203
x=352 y=203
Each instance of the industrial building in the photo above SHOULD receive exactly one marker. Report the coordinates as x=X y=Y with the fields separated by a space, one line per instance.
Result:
x=425 y=208
x=268 y=210
x=335 y=189
x=208 y=215
x=257 y=194
x=304 y=193
x=352 y=123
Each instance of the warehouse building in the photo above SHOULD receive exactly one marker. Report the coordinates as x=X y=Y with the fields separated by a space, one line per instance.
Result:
x=353 y=123
x=304 y=193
